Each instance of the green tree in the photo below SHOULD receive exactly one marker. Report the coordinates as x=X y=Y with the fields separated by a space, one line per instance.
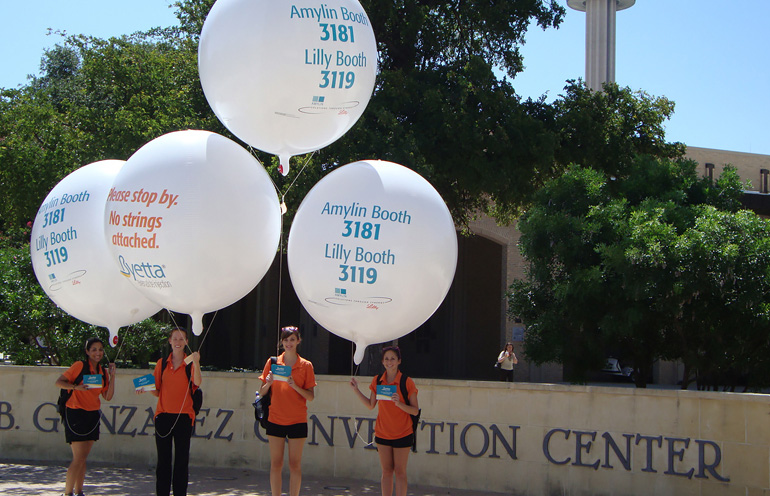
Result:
x=34 y=330
x=95 y=99
x=723 y=300
x=606 y=130
x=605 y=260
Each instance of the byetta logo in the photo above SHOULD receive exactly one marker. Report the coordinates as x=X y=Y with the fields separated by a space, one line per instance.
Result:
x=141 y=270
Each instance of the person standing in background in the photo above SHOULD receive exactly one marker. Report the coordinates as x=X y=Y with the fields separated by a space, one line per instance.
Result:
x=507 y=359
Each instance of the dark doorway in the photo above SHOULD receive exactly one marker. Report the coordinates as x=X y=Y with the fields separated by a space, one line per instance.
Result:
x=455 y=343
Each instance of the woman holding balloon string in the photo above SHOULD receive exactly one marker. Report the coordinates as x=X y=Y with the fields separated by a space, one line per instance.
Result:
x=82 y=411
x=288 y=410
x=174 y=414
x=393 y=429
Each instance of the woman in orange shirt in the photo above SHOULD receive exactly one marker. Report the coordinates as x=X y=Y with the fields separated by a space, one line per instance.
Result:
x=82 y=414
x=288 y=410
x=393 y=429
x=174 y=415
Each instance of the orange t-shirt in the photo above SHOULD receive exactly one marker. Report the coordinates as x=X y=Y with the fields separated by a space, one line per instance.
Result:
x=288 y=407
x=392 y=422
x=174 y=389
x=86 y=400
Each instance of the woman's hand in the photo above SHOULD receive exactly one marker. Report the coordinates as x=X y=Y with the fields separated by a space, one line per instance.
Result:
x=368 y=402
x=196 y=358
x=112 y=368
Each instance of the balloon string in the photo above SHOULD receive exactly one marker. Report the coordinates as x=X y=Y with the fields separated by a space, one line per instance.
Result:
x=277 y=189
x=280 y=250
x=117 y=354
x=280 y=288
x=354 y=372
x=307 y=161
x=352 y=360
x=189 y=380
x=206 y=332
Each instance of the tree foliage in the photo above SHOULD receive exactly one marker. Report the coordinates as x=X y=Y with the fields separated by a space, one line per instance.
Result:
x=438 y=107
x=34 y=330
x=605 y=234
x=95 y=99
x=657 y=263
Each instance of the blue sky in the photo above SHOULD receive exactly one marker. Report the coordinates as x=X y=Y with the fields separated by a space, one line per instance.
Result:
x=709 y=56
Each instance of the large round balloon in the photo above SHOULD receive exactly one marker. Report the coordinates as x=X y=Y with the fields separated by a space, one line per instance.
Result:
x=372 y=252
x=193 y=221
x=71 y=260
x=287 y=77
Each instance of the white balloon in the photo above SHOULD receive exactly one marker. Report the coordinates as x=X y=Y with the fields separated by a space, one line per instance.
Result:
x=287 y=77
x=193 y=221
x=372 y=252
x=71 y=260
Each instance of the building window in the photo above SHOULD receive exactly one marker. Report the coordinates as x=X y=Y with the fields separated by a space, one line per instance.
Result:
x=710 y=171
x=763 y=173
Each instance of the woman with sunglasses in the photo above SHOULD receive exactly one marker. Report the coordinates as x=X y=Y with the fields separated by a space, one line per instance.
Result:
x=290 y=391
x=393 y=430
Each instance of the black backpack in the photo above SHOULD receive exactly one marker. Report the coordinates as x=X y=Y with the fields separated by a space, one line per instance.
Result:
x=66 y=394
x=262 y=404
x=197 y=395
x=405 y=394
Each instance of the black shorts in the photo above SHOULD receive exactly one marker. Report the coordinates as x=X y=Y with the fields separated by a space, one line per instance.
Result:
x=81 y=425
x=293 y=431
x=404 y=442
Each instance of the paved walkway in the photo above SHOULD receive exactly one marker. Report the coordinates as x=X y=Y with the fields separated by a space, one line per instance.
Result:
x=35 y=478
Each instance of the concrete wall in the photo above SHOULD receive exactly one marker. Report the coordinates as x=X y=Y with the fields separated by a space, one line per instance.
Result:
x=515 y=438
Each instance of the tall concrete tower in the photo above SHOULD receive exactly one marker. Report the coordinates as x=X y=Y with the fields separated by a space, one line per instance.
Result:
x=600 y=38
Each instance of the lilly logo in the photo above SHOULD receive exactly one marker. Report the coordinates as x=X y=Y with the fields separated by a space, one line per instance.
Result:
x=141 y=270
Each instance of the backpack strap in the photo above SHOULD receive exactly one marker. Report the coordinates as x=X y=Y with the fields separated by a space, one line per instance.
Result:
x=78 y=380
x=103 y=372
x=79 y=377
x=188 y=370
x=273 y=361
x=162 y=368
x=402 y=385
